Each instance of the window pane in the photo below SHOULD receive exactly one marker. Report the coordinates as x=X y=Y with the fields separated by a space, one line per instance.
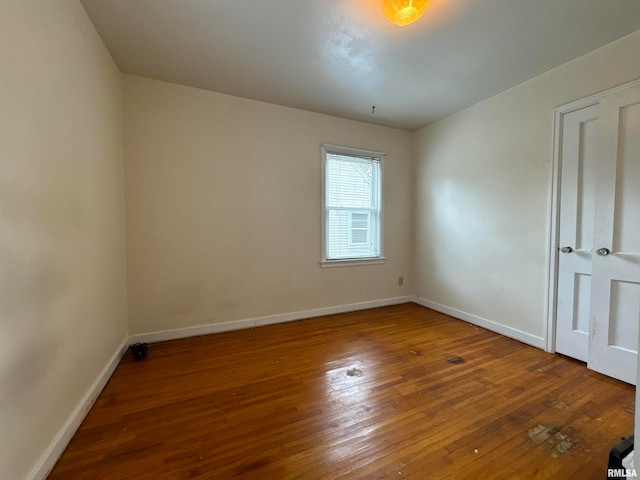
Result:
x=359 y=236
x=350 y=182
x=359 y=220
x=352 y=206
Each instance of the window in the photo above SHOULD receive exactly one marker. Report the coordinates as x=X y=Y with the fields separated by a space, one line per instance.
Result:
x=358 y=229
x=352 y=206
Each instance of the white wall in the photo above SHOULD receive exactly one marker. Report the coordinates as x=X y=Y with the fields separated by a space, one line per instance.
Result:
x=223 y=208
x=483 y=182
x=62 y=262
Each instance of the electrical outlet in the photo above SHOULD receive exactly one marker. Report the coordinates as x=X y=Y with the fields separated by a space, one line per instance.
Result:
x=400 y=281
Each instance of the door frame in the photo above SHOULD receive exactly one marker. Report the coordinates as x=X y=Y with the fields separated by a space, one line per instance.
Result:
x=553 y=245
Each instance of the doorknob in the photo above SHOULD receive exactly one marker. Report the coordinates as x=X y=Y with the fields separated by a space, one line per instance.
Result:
x=566 y=249
x=603 y=252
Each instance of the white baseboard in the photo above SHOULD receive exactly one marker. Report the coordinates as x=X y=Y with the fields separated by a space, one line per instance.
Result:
x=49 y=458
x=208 y=329
x=510 y=332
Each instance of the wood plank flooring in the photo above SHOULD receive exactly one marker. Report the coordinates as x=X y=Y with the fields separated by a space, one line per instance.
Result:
x=390 y=393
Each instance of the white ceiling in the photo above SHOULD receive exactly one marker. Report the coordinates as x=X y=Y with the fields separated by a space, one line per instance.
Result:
x=341 y=57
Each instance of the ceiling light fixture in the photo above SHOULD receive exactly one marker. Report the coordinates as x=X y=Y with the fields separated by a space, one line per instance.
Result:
x=403 y=12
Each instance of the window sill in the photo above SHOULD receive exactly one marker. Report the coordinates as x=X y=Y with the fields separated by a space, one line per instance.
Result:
x=346 y=262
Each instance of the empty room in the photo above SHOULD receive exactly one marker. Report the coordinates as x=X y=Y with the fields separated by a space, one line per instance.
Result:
x=319 y=239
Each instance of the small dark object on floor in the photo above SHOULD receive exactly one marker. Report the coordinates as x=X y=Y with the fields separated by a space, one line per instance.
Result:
x=139 y=350
x=618 y=453
x=455 y=360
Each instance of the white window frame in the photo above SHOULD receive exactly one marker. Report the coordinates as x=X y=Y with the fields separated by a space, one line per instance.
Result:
x=355 y=152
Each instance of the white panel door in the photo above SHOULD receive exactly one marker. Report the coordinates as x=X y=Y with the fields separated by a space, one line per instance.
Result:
x=615 y=286
x=577 y=200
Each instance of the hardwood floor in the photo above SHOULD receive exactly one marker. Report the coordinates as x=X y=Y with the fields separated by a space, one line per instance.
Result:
x=394 y=392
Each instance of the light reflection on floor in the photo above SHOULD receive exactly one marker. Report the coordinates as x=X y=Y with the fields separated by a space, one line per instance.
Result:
x=349 y=405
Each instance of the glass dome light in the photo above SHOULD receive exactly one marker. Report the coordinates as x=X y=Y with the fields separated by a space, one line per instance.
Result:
x=404 y=12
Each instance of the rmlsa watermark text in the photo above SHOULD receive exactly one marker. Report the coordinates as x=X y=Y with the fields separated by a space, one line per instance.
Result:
x=621 y=473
